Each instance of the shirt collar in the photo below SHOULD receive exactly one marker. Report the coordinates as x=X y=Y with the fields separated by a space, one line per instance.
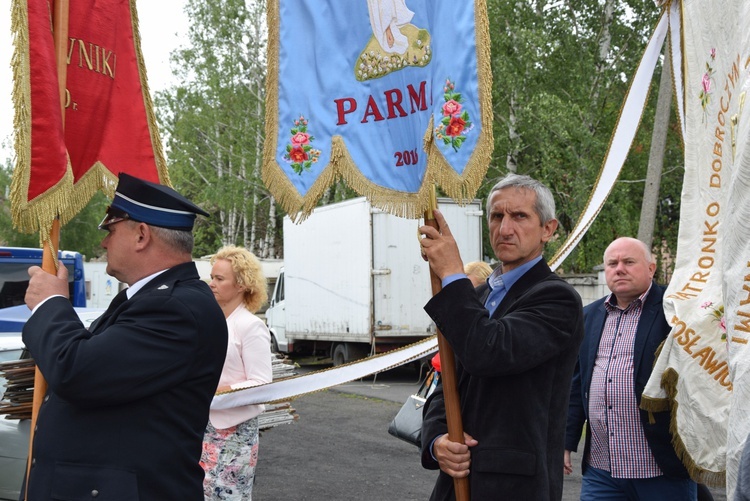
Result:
x=611 y=302
x=508 y=279
x=142 y=282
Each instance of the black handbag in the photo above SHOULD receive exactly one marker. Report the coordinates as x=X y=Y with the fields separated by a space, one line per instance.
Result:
x=407 y=425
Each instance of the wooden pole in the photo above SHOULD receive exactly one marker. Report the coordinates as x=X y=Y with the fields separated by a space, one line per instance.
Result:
x=448 y=374
x=49 y=252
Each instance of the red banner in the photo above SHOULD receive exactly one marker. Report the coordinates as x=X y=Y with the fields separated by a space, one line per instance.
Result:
x=109 y=125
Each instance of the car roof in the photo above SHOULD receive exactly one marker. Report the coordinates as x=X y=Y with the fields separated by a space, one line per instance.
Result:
x=10 y=341
x=13 y=318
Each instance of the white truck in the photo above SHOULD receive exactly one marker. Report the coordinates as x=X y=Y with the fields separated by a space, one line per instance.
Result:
x=354 y=282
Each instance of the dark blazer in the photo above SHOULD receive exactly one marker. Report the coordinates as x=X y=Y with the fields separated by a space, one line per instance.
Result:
x=652 y=330
x=513 y=374
x=128 y=402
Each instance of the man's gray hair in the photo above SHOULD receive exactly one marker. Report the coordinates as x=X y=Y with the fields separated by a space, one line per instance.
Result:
x=545 y=202
x=179 y=240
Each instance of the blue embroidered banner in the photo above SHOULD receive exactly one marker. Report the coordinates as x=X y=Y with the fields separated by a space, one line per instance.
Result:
x=393 y=96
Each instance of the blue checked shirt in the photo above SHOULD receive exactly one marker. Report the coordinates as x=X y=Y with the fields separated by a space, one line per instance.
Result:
x=618 y=444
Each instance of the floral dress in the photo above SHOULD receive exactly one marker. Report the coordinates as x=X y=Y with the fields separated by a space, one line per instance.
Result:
x=229 y=458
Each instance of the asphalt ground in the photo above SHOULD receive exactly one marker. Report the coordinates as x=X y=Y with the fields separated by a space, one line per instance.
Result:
x=340 y=449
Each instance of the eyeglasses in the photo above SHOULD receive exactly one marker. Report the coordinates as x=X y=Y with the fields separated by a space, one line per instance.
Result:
x=112 y=216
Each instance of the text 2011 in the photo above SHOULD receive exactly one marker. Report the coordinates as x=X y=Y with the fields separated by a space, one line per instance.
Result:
x=406 y=157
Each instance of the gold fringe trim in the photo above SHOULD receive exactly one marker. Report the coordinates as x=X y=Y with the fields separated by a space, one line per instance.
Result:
x=148 y=104
x=65 y=199
x=701 y=475
x=30 y=216
x=461 y=188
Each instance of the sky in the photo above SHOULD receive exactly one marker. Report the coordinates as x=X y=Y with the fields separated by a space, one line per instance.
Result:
x=163 y=27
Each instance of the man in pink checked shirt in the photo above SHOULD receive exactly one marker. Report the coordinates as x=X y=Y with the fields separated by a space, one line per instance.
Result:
x=628 y=454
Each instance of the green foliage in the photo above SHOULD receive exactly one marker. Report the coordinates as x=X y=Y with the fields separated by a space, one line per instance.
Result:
x=214 y=125
x=559 y=84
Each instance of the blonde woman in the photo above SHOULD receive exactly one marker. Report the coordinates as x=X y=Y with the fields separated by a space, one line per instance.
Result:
x=230 y=444
x=478 y=272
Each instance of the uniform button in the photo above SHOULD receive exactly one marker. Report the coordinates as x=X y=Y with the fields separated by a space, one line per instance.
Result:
x=33 y=461
x=36 y=428
x=94 y=493
x=46 y=397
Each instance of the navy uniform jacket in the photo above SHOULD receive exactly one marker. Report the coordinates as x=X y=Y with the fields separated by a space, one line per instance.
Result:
x=128 y=402
x=651 y=331
x=513 y=373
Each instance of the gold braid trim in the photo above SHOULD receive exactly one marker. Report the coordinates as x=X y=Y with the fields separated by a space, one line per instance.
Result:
x=30 y=216
x=64 y=199
x=348 y=364
x=148 y=104
x=701 y=475
x=341 y=166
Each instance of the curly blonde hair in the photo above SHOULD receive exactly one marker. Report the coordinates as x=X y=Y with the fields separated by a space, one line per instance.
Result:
x=247 y=272
x=479 y=269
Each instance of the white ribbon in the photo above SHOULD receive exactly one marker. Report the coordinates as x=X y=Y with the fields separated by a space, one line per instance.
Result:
x=294 y=387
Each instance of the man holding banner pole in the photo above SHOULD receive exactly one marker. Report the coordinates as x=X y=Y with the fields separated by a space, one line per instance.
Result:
x=515 y=341
x=129 y=397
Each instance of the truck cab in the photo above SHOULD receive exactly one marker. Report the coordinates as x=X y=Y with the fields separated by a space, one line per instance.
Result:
x=275 y=317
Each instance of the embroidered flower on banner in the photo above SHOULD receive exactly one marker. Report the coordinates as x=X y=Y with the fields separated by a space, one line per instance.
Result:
x=718 y=314
x=707 y=83
x=455 y=122
x=299 y=152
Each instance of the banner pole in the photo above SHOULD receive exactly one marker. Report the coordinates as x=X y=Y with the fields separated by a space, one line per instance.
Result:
x=448 y=372
x=51 y=244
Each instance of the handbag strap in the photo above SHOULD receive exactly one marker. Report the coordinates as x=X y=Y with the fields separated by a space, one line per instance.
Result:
x=426 y=383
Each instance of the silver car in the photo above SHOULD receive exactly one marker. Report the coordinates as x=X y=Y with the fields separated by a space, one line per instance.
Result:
x=14 y=433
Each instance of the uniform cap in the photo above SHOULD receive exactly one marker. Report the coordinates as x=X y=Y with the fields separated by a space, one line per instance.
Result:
x=150 y=203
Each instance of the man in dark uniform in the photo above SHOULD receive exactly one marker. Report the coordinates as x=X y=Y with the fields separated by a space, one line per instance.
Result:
x=128 y=398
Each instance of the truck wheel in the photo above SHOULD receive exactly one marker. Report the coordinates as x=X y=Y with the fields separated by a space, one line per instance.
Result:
x=274 y=344
x=340 y=355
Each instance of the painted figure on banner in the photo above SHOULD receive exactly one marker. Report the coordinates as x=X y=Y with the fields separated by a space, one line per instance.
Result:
x=386 y=18
x=395 y=44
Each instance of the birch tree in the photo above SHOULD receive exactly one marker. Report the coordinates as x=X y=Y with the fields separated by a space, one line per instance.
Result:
x=214 y=125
